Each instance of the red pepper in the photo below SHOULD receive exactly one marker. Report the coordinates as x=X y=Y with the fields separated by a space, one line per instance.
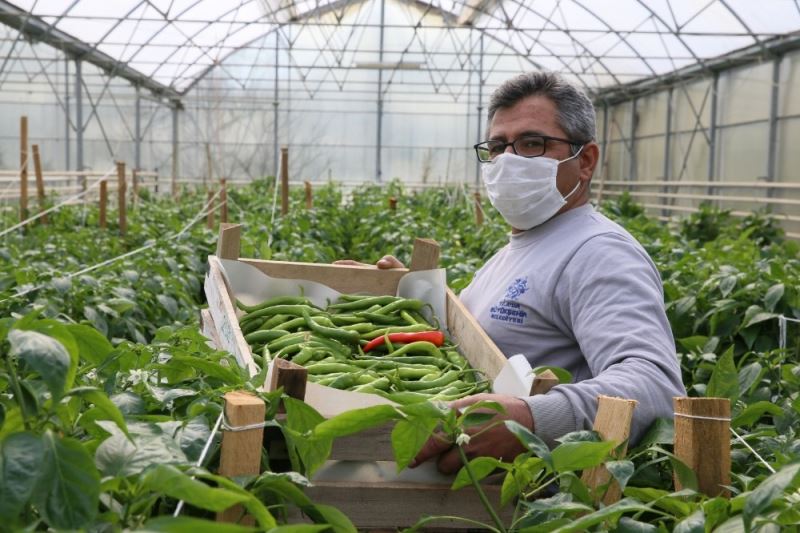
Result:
x=434 y=337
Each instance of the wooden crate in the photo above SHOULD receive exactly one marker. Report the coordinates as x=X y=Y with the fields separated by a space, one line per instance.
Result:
x=385 y=499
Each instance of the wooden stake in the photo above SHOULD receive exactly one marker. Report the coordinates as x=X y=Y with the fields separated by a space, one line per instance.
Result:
x=543 y=382
x=223 y=201
x=103 y=202
x=613 y=422
x=229 y=241
x=121 y=205
x=37 y=168
x=703 y=442
x=210 y=216
x=309 y=196
x=284 y=180
x=392 y=203
x=241 y=450
x=478 y=210
x=425 y=255
x=23 y=168
x=210 y=165
x=292 y=377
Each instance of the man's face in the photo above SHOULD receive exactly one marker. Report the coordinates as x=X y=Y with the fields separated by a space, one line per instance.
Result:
x=537 y=115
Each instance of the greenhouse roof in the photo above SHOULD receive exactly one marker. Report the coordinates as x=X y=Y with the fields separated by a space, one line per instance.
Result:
x=168 y=45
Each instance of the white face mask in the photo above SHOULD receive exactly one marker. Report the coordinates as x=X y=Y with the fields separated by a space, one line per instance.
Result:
x=524 y=189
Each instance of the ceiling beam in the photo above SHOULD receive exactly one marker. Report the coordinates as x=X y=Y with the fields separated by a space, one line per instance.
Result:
x=36 y=30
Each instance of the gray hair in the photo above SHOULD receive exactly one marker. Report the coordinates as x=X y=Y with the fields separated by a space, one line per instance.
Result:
x=575 y=112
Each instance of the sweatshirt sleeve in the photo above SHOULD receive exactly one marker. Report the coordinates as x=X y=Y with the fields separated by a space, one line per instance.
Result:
x=610 y=297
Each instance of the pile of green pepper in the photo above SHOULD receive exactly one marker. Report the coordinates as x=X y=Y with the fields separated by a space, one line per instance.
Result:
x=330 y=343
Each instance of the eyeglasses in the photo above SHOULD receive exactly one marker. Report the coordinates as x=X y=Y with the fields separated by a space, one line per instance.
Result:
x=526 y=146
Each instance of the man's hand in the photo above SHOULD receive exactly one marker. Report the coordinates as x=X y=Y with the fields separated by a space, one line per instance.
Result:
x=495 y=442
x=384 y=263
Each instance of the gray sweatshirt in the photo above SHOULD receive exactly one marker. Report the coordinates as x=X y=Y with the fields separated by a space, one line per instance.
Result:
x=580 y=293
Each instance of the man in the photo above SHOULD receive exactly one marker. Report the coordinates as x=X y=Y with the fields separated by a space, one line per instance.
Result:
x=571 y=288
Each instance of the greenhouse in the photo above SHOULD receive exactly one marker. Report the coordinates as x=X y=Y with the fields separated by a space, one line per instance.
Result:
x=504 y=265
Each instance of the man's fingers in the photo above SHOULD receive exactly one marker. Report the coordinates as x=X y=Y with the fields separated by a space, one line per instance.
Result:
x=449 y=462
x=389 y=261
x=349 y=262
x=435 y=445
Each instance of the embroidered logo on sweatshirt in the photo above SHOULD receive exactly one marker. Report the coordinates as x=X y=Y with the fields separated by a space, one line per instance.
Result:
x=508 y=310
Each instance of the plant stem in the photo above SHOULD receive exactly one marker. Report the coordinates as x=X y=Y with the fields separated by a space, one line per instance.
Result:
x=479 y=490
x=12 y=376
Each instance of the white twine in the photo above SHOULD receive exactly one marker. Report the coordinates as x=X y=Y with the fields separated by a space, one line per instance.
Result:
x=202 y=457
x=735 y=434
x=57 y=206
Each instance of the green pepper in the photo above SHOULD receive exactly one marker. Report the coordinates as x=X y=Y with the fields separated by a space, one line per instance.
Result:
x=278 y=300
x=444 y=380
x=425 y=347
x=264 y=335
x=363 y=303
x=288 y=340
x=395 y=329
x=408 y=304
x=343 y=335
x=327 y=368
x=381 y=319
x=294 y=310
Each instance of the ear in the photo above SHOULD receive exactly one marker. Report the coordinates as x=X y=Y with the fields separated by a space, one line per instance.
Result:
x=590 y=156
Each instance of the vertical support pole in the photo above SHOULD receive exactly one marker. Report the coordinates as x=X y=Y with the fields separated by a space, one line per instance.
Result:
x=424 y=255
x=121 y=206
x=392 y=203
x=479 y=136
x=79 y=125
x=66 y=114
x=291 y=377
x=223 y=201
x=135 y=187
x=137 y=131
x=37 y=168
x=241 y=450
x=229 y=242
x=23 y=168
x=210 y=165
x=478 y=209
x=275 y=113
x=703 y=442
x=309 y=196
x=604 y=155
x=379 y=131
x=632 y=145
x=613 y=423
x=284 y=180
x=667 y=151
x=175 y=149
x=103 y=202
x=772 y=141
x=712 y=134
x=210 y=208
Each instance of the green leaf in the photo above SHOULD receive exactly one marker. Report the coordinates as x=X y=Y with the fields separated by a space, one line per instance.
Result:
x=768 y=491
x=726 y=285
x=68 y=493
x=629 y=525
x=530 y=441
x=166 y=479
x=622 y=471
x=572 y=456
x=210 y=369
x=103 y=403
x=408 y=438
x=92 y=345
x=610 y=512
x=185 y=524
x=355 y=421
x=118 y=456
x=693 y=344
x=58 y=331
x=773 y=296
x=335 y=518
x=724 y=382
x=662 y=431
x=755 y=315
x=753 y=412
x=169 y=303
x=43 y=354
x=659 y=498
x=306 y=454
x=749 y=375
x=694 y=523
x=480 y=466
x=21 y=458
